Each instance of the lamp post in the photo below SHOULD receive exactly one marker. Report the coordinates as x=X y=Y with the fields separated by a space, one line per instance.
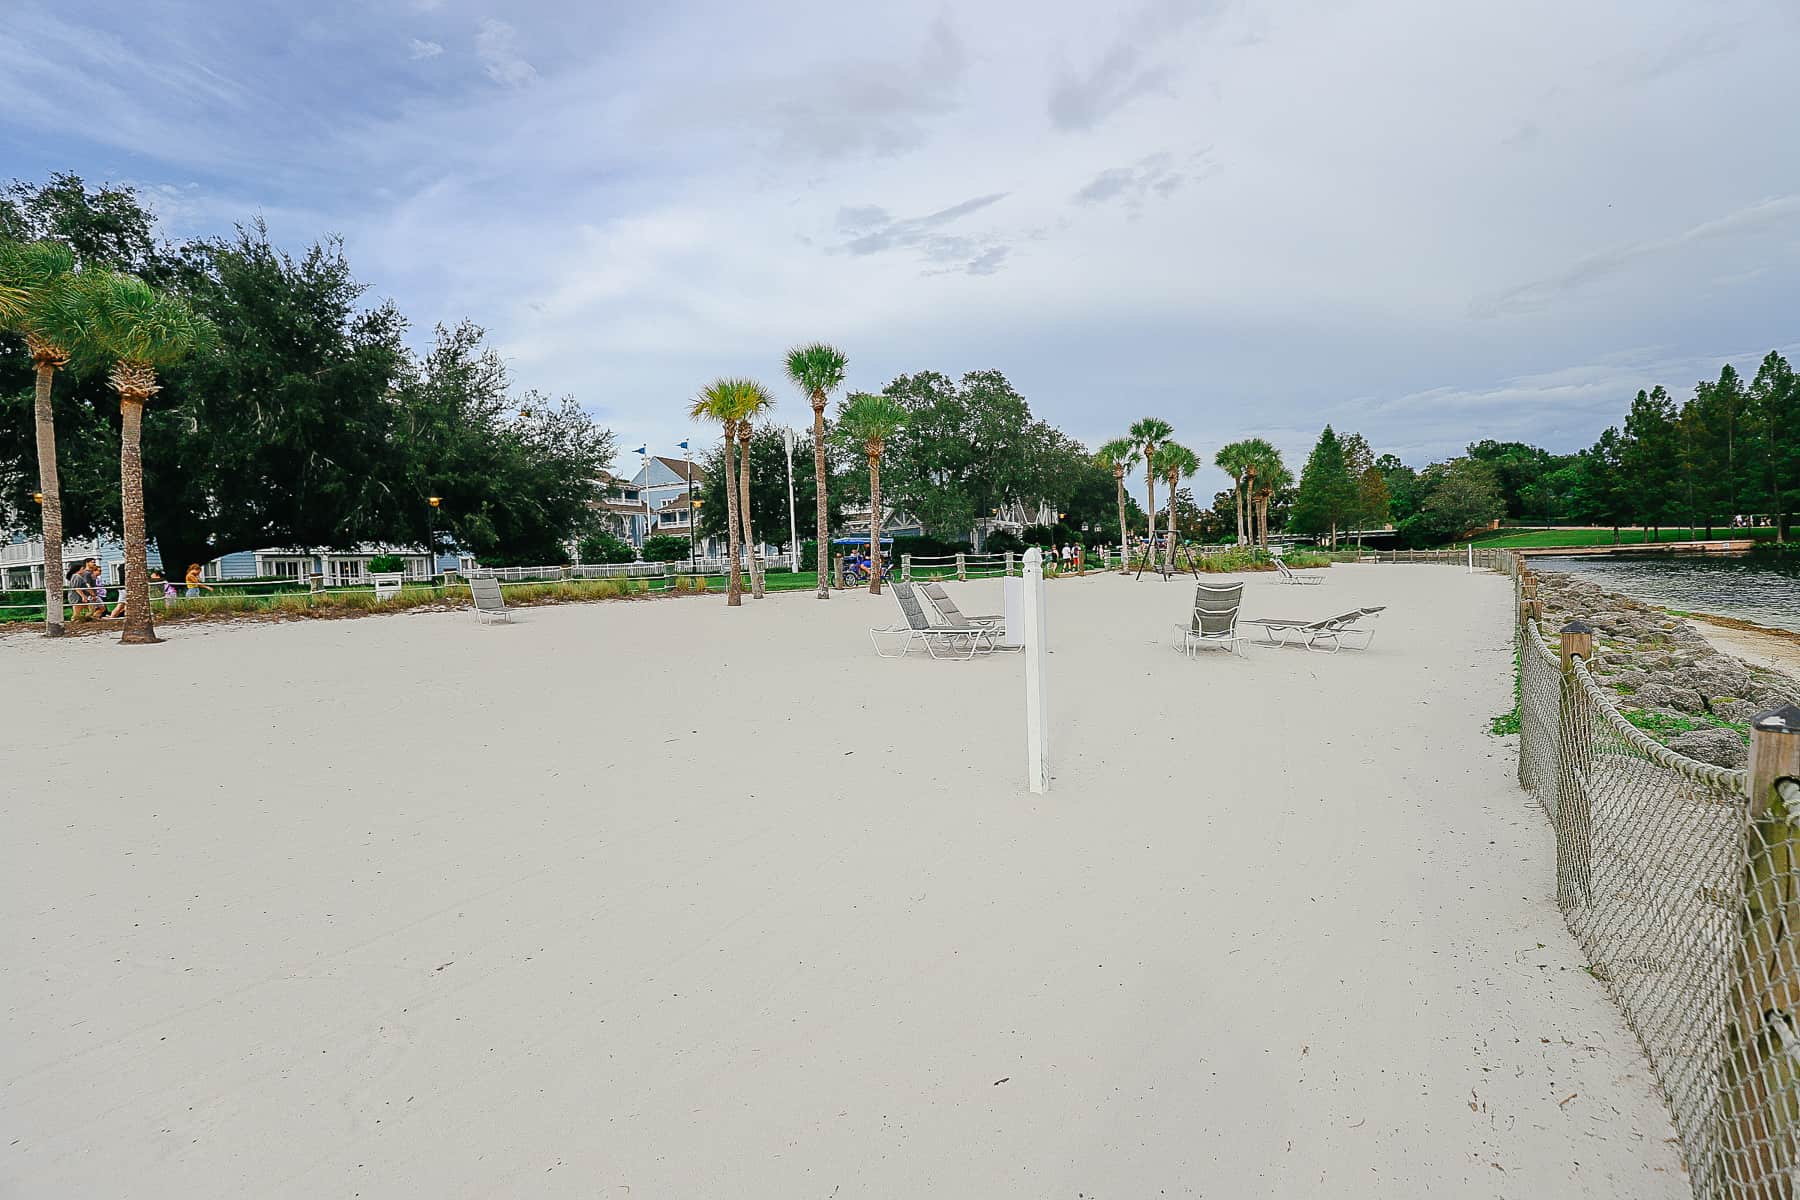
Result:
x=787 y=438
x=431 y=539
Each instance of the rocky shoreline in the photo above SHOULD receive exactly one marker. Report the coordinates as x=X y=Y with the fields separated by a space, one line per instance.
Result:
x=1670 y=681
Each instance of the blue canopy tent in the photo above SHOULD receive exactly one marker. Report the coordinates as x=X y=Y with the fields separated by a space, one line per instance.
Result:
x=861 y=541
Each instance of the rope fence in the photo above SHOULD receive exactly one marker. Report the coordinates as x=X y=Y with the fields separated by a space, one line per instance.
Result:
x=1681 y=882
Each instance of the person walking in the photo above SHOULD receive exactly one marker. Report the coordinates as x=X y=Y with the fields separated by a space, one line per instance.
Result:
x=194 y=585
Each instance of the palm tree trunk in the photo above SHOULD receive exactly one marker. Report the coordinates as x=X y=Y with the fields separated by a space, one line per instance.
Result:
x=756 y=572
x=1150 y=495
x=138 y=629
x=1169 y=550
x=734 y=590
x=51 y=486
x=875 y=520
x=1238 y=487
x=818 y=403
x=1124 y=534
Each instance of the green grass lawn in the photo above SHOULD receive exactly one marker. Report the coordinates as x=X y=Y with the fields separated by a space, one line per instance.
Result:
x=1533 y=538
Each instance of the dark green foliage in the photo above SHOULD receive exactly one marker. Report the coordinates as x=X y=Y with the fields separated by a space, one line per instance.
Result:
x=769 y=483
x=1328 y=499
x=310 y=425
x=666 y=547
x=602 y=546
x=382 y=564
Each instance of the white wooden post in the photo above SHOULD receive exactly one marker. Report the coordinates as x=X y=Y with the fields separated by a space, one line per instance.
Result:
x=962 y=566
x=906 y=568
x=1471 y=558
x=1009 y=564
x=1036 y=718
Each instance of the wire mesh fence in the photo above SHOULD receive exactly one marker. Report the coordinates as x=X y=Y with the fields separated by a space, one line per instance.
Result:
x=1681 y=882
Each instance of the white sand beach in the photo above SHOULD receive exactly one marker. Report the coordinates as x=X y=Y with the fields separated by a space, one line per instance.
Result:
x=661 y=899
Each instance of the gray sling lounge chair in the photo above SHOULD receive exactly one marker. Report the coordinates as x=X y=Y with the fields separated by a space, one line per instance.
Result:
x=490 y=605
x=1327 y=636
x=964 y=643
x=953 y=616
x=1288 y=574
x=1214 y=619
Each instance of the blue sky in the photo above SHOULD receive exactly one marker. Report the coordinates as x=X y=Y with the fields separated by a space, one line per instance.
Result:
x=1427 y=222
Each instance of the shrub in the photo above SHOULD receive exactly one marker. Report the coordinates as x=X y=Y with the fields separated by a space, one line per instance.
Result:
x=602 y=546
x=1001 y=541
x=665 y=547
x=386 y=564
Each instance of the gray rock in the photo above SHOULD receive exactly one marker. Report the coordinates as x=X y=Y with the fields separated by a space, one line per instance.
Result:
x=1720 y=747
x=1737 y=711
x=1663 y=695
x=1629 y=677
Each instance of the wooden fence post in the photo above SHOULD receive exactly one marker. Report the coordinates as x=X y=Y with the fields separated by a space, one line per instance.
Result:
x=962 y=566
x=1761 y=1077
x=1009 y=564
x=1574 y=821
x=839 y=571
x=906 y=568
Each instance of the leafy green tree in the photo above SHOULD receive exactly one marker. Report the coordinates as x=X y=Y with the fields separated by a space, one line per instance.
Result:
x=971 y=446
x=1456 y=498
x=1647 y=457
x=135 y=331
x=37 y=282
x=818 y=371
x=1773 y=415
x=1601 y=493
x=1328 y=494
x=604 y=546
x=665 y=548
x=1721 y=408
x=768 y=484
x=870 y=422
x=517 y=481
x=1517 y=468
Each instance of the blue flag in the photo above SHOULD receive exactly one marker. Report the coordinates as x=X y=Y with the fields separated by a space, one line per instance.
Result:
x=642 y=448
x=684 y=445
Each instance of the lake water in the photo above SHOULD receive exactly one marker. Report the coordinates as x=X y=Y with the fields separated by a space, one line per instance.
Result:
x=1750 y=589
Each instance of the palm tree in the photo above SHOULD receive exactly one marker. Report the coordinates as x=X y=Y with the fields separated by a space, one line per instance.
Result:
x=126 y=322
x=1149 y=433
x=1271 y=475
x=36 y=299
x=1119 y=456
x=818 y=370
x=1174 y=462
x=867 y=422
x=717 y=401
x=749 y=401
x=1237 y=460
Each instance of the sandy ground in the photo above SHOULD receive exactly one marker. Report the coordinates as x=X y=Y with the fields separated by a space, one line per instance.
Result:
x=1759 y=649
x=661 y=899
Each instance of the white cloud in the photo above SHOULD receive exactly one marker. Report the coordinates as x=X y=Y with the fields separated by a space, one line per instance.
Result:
x=497 y=45
x=419 y=48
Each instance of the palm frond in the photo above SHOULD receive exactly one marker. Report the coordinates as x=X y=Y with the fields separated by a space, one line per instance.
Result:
x=817 y=369
x=1119 y=452
x=120 y=318
x=868 y=419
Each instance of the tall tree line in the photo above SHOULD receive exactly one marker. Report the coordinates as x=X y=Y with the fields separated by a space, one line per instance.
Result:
x=310 y=423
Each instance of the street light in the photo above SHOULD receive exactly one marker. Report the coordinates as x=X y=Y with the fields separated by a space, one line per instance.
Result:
x=431 y=539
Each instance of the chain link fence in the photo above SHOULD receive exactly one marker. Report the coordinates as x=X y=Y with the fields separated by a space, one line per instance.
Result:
x=1682 y=885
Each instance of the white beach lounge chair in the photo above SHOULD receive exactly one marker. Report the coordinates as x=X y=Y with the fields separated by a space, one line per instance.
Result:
x=893 y=641
x=1214 y=620
x=490 y=605
x=1288 y=574
x=1327 y=636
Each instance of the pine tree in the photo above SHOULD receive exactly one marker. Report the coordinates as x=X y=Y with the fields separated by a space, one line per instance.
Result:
x=1328 y=497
